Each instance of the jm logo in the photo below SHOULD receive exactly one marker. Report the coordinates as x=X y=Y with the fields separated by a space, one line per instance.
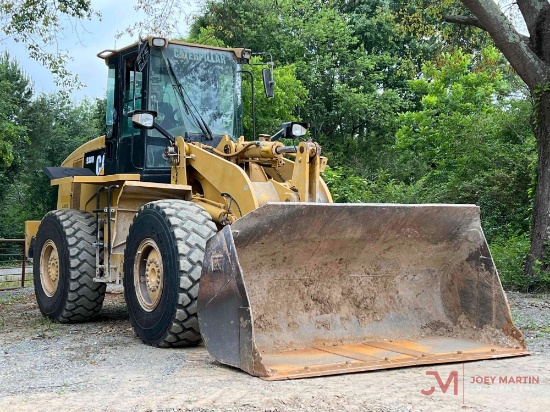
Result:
x=453 y=378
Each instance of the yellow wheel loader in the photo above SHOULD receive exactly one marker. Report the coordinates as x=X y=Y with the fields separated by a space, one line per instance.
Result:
x=237 y=242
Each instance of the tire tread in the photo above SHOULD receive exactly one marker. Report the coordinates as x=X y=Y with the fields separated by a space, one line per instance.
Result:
x=85 y=297
x=191 y=226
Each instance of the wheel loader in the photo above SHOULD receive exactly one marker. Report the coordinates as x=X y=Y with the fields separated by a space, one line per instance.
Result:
x=237 y=243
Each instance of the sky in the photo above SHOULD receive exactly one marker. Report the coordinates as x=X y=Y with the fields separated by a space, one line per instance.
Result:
x=83 y=44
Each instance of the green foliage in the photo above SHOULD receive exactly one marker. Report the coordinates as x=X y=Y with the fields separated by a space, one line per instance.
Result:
x=50 y=128
x=470 y=142
x=346 y=187
x=509 y=255
x=423 y=23
x=206 y=36
x=406 y=110
x=57 y=127
x=15 y=93
x=290 y=98
x=39 y=25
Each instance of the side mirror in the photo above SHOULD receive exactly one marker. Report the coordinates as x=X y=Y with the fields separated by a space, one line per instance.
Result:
x=143 y=119
x=291 y=130
x=295 y=129
x=269 y=84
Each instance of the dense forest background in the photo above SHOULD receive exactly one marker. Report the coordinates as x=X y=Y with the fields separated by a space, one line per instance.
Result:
x=407 y=108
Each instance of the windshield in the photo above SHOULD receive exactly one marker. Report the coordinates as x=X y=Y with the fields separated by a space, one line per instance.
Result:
x=210 y=89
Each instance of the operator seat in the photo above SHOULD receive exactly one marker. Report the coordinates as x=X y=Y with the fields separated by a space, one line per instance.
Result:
x=166 y=115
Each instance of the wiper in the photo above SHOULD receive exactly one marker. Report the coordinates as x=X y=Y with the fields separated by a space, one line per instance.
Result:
x=183 y=94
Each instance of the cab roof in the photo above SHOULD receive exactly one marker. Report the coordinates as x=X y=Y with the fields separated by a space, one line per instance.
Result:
x=240 y=53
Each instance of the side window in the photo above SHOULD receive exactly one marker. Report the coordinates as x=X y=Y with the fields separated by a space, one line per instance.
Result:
x=110 y=116
x=132 y=94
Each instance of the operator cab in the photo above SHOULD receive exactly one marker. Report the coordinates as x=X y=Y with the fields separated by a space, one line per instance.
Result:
x=195 y=91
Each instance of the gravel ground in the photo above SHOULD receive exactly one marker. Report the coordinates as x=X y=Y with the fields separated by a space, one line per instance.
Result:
x=531 y=313
x=102 y=366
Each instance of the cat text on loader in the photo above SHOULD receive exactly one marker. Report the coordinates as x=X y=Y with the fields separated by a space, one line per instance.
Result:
x=292 y=285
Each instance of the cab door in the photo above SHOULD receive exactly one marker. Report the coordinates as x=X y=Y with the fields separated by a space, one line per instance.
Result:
x=132 y=140
x=124 y=144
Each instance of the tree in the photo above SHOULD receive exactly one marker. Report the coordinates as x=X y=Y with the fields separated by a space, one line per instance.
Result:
x=530 y=58
x=289 y=100
x=39 y=24
x=54 y=127
x=15 y=95
x=162 y=17
x=470 y=142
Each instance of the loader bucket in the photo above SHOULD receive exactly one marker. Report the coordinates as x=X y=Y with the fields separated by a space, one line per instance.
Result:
x=295 y=290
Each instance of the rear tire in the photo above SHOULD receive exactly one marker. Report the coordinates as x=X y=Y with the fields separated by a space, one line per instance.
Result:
x=162 y=268
x=64 y=267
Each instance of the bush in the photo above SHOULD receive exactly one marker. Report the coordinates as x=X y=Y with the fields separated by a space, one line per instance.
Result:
x=346 y=187
x=509 y=255
x=508 y=251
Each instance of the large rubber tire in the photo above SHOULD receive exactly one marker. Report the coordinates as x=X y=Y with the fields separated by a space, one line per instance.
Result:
x=64 y=244
x=161 y=286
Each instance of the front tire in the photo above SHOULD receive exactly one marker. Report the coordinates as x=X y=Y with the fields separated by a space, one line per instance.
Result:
x=162 y=268
x=64 y=267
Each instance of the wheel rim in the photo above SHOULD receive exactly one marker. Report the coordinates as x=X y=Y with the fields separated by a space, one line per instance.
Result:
x=148 y=275
x=49 y=268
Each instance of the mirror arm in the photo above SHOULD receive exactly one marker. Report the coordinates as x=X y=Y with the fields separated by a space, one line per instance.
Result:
x=269 y=82
x=163 y=132
x=278 y=135
x=156 y=126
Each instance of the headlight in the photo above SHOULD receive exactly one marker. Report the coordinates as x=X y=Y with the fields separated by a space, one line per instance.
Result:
x=159 y=42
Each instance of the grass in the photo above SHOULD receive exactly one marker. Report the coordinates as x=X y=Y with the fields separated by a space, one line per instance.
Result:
x=45 y=328
x=14 y=263
x=530 y=324
x=12 y=284
x=43 y=323
x=63 y=389
x=8 y=300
